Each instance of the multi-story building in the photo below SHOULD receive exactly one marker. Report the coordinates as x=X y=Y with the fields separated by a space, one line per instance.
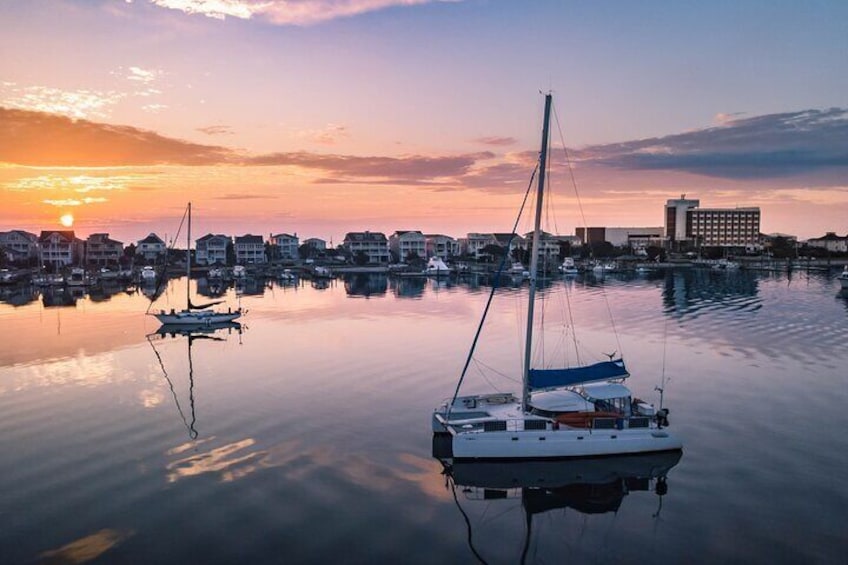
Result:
x=548 y=245
x=441 y=246
x=831 y=242
x=211 y=249
x=715 y=227
x=285 y=246
x=621 y=237
x=59 y=248
x=316 y=243
x=374 y=245
x=474 y=243
x=405 y=243
x=151 y=247
x=249 y=249
x=101 y=251
x=19 y=245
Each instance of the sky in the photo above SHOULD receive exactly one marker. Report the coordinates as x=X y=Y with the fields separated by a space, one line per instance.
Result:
x=320 y=117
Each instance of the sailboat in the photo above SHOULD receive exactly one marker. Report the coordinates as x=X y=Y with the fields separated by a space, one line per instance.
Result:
x=561 y=413
x=194 y=315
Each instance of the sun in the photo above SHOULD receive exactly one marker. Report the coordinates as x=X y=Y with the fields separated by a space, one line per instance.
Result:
x=67 y=220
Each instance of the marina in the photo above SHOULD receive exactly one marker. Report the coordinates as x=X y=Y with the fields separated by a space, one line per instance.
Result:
x=230 y=445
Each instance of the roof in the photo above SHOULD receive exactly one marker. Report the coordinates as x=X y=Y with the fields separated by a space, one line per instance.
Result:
x=366 y=236
x=254 y=239
x=279 y=235
x=66 y=234
x=152 y=238
x=209 y=236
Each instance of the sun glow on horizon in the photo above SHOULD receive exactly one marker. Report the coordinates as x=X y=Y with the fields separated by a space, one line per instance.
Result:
x=67 y=220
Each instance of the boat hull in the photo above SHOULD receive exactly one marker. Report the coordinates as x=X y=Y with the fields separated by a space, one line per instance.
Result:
x=560 y=444
x=188 y=318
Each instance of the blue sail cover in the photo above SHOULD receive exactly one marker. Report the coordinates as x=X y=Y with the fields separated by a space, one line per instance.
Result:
x=605 y=370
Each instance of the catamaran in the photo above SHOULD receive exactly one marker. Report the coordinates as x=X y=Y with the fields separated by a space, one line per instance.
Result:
x=582 y=411
x=195 y=314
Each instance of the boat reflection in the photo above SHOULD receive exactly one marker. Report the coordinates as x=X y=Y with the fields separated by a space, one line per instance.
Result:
x=586 y=485
x=191 y=333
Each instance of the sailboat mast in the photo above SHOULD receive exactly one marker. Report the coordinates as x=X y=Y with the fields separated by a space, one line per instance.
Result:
x=188 y=259
x=534 y=257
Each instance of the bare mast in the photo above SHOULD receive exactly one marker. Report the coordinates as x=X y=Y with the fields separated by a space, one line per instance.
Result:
x=534 y=258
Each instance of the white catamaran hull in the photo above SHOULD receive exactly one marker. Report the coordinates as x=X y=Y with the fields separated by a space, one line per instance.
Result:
x=560 y=444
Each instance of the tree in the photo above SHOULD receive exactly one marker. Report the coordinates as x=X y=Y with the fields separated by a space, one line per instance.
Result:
x=305 y=251
x=493 y=251
x=361 y=258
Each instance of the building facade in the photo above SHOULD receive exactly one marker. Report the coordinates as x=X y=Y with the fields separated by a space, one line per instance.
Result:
x=622 y=237
x=211 y=249
x=19 y=245
x=404 y=243
x=102 y=251
x=250 y=249
x=151 y=247
x=712 y=227
x=441 y=246
x=285 y=246
x=374 y=245
x=59 y=248
x=831 y=242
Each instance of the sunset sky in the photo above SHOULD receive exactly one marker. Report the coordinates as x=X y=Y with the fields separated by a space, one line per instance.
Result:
x=319 y=117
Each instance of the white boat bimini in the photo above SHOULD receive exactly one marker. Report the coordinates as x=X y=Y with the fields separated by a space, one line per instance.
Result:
x=560 y=413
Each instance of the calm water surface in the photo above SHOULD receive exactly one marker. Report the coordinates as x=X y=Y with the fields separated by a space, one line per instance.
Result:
x=305 y=438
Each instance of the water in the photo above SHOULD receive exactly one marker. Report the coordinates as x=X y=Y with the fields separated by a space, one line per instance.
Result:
x=305 y=438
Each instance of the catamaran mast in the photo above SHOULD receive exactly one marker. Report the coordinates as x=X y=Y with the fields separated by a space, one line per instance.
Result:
x=534 y=258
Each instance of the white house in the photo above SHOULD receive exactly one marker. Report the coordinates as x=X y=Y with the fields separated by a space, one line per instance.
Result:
x=150 y=247
x=441 y=246
x=831 y=242
x=100 y=250
x=59 y=248
x=211 y=249
x=373 y=244
x=286 y=245
x=404 y=243
x=19 y=245
x=249 y=249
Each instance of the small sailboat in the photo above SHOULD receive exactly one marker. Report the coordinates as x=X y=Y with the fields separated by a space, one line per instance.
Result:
x=560 y=413
x=195 y=314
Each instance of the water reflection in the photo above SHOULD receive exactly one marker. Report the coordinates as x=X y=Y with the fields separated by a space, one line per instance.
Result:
x=366 y=284
x=587 y=486
x=190 y=334
x=688 y=290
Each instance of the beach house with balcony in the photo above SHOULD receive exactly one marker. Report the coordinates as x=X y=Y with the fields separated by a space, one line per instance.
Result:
x=373 y=245
x=211 y=249
x=249 y=249
x=151 y=247
x=402 y=244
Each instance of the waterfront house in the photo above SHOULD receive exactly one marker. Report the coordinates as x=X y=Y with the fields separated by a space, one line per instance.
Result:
x=831 y=242
x=100 y=250
x=211 y=249
x=316 y=243
x=402 y=244
x=59 y=248
x=548 y=246
x=284 y=246
x=249 y=249
x=19 y=245
x=442 y=246
x=373 y=245
x=151 y=247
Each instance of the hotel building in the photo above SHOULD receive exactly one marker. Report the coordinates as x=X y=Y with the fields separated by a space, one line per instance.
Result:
x=715 y=227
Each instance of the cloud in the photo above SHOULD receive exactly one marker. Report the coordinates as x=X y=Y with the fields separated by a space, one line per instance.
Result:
x=216 y=130
x=72 y=103
x=41 y=139
x=137 y=74
x=768 y=146
x=327 y=136
x=496 y=141
x=64 y=203
x=286 y=12
x=405 y=169
x=80 y=184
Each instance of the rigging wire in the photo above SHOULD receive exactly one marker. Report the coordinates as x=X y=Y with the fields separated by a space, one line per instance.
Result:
x=568 y=163
x=161 y=278
x=491 y=293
